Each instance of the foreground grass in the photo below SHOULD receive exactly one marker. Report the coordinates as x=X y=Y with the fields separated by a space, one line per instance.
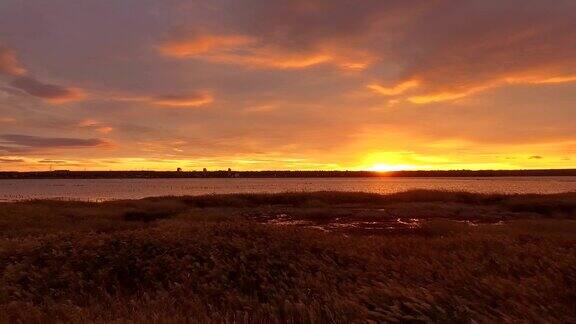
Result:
x=202 y=259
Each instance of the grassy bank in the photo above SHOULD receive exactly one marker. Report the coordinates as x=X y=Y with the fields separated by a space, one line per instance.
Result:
x=217 y=258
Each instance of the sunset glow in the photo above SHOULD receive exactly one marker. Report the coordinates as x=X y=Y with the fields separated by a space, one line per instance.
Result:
x=387 y=168
x=377 y=85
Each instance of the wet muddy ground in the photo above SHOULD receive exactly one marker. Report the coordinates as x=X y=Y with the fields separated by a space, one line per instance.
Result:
x=405 y=218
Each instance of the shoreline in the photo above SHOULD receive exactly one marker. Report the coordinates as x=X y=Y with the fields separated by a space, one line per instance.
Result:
x=67 y=174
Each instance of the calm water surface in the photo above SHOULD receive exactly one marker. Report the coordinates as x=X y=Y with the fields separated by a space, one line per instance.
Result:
x=110 y=189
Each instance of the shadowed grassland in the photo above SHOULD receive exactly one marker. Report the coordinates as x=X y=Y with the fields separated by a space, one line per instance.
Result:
x=220 y=258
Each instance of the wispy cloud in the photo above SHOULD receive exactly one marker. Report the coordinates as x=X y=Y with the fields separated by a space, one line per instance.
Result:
x=459 y=49
x=394 y=90
x=10 y=160
x=192 y=99
x=254 y=52
x=9 y=63
x=17 y=142
x=96 y=125
x=50 y=92
x=189 y=99
x=7 y=120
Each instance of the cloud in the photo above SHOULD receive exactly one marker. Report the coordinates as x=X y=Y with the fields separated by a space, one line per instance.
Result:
x=96 y=125
x=190 y=99
x=88 y=123
x=10 y=160
x=52 y=161
x=461 y=48
x=341 y=33
x=254 y=52
x=426 y=51
x=7 y=120
x=535 y=157
x=395 y=90
x=261 y=108
x=196 y=43
x=445 y=96
x=19 y=142
x=270 y=57
x=9 y=63
x=186 y=100
x=104 y=129
x=49 y=92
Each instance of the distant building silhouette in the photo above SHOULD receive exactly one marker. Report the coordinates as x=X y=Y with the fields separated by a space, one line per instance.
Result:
x=179 y=170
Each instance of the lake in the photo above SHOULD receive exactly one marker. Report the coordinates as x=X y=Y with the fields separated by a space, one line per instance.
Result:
x=110 y=189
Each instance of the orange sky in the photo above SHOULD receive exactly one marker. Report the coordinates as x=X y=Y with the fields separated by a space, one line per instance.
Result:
x=287 y=84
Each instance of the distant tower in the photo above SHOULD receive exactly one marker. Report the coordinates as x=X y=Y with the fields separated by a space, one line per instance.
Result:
x=229 y=170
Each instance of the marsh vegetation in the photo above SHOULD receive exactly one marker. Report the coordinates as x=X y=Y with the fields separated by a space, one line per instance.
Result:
x=293 y=257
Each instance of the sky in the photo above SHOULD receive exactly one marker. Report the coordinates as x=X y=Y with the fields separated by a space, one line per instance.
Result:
x=287 y=84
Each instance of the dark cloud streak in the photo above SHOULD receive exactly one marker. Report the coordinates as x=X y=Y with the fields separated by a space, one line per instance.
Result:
x=17 y=141
x=50 y=92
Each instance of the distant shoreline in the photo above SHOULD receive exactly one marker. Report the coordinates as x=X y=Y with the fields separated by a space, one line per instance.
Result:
x=65 y=174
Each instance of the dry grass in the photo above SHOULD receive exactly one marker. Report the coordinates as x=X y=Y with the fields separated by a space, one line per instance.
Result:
x=199 y=259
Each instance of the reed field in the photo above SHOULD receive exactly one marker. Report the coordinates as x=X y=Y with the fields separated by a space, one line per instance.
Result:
x=417 y=256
